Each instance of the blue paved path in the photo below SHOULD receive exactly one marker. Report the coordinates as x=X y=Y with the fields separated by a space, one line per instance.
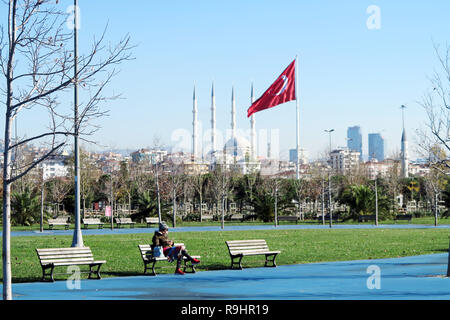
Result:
x=401 y=279
x=227 y=228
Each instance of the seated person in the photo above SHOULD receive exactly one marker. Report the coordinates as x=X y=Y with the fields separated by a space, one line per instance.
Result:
x=160 y=238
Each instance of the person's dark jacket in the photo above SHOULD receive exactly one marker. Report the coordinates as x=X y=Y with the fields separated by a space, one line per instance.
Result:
x=160 y=239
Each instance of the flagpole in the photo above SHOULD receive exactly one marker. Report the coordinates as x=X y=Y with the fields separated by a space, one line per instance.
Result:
x=298 y=117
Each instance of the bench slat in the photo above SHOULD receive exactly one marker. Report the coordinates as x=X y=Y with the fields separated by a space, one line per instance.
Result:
x=74 y=252
x=253 y=253
x=245 y=251
x=253 y=246
x=65 y=256
x=69 y=260
x=79 y=263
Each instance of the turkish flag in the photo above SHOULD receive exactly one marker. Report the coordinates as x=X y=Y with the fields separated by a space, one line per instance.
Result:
x=281 y=91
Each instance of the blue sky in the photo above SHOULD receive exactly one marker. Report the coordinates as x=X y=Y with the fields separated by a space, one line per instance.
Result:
x=348 y=75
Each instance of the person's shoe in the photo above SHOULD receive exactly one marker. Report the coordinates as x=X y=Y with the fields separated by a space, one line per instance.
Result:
x=179 y=271
x=195 y=261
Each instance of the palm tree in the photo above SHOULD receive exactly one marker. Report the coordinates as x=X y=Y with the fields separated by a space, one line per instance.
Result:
x=25 y=208
x=361 y=200
x=147 y=204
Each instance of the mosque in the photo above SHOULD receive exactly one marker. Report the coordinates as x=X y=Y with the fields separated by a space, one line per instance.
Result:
x=238 y=154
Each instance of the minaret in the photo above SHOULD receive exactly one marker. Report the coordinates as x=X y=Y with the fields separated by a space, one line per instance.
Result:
x=233 y=124
x=253 y=131
x=213 y=125
x=194 y=129
x=405 y=157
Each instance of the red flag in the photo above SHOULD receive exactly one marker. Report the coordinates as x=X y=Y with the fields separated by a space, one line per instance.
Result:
x=281 y=91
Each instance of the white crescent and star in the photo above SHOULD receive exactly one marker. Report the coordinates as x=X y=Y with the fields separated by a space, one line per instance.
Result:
x=286 y=82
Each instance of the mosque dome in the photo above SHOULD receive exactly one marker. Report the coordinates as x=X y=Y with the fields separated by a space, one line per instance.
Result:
x=237 y=146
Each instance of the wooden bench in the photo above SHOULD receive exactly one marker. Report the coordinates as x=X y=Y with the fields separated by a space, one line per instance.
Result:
x=124 y=221
x=367 y=218
x=151 y=221
x=336 y=218
x=51 y=258
x=241 y=248
x=237 y=217
x=288 y=218
x=58 y=222
x=148 y=258
x=88 y=222
x=407 y=217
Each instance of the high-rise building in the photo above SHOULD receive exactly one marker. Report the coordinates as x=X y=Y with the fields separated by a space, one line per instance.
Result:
x=354 y=140
x=303 y=156
x=376 y=147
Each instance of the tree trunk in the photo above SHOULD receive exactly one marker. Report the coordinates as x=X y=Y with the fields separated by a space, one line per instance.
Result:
x=174 y=203
x=6 y=253
x=201 y=207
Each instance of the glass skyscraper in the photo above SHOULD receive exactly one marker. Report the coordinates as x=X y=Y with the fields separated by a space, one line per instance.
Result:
x=376 y=147
x=354 y=140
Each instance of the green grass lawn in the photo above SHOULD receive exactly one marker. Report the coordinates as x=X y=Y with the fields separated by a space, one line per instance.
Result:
x=418 y=221
x=297 y=246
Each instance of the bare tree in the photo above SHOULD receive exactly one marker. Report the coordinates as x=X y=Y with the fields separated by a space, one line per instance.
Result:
x=38 y=65
x=198 y=182
x=58 y=189
x=435 y=138
x=172 y=186
x=434 y=184
x=299 y=188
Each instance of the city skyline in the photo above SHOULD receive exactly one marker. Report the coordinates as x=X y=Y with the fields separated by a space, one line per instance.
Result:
x=348 y=73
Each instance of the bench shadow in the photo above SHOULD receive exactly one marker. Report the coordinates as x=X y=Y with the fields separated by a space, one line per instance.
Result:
x=121 y=273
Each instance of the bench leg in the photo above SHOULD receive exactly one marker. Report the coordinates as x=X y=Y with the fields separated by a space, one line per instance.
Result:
x=50 y=274
x=274 y=265
x=238 y=262
x=186 y=265
x=97 y=272
x=153 y=268
x=146 y=267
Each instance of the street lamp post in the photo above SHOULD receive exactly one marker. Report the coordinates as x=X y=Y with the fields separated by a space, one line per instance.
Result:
x=276 y=203
x=112 y=199
x=323 y=200
x=329 y=181
x=77 y=235
x=376 y=203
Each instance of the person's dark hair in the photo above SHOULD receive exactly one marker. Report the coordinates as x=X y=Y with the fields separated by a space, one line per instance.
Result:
x=163 y=226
